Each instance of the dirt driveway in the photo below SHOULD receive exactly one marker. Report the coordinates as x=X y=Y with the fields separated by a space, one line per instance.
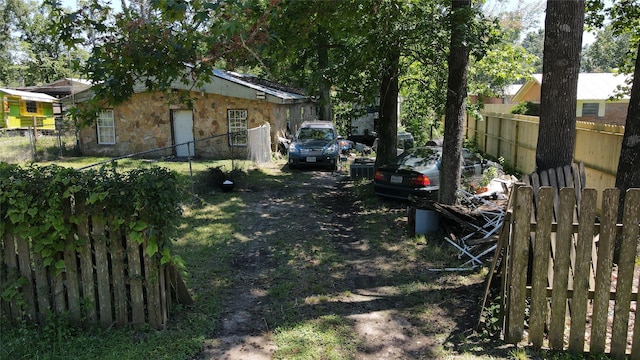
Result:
x=315 y=246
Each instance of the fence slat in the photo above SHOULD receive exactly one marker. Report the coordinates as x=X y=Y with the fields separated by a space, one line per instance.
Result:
x=11 y=261
x=582 y=270
x=625 y=275
x=135 y=282
x=561 y=268
x=164 y=299
x=152 y=288
x=24 y=264
x=4 y=306
x=608 y=220
x=541 y=254
x=102 y=270
x=59 y=298
x=519 y=256
x=42 y=288
x=86 y=270
x=72 y=281
x=118 y=273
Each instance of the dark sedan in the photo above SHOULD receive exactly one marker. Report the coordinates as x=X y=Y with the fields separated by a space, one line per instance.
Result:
x=416 y=172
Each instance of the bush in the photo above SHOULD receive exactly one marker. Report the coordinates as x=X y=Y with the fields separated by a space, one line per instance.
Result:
x=526 y=108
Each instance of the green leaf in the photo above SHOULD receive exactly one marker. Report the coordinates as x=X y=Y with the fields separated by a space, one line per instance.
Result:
x=152 y=248
x=60 y=265
x=138 y=225
x=136 y=237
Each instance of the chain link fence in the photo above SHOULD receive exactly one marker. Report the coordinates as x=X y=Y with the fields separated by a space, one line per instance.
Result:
x=34 y=145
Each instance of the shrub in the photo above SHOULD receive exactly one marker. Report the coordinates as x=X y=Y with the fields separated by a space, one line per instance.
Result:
x=526 y=108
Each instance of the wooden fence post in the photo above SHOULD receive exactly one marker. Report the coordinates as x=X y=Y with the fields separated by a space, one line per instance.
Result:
x=135 y=282
x=540 y=272
x=625 y=274
x=582 y=272
x=118 y=273
x=12 y=270
x=24 y=264
x=561 y=268
x=518 y=261
x=86 y=266
x=102 y=270
x=608 y=229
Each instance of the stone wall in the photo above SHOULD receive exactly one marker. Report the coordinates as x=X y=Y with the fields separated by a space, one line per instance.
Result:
x=143 y=123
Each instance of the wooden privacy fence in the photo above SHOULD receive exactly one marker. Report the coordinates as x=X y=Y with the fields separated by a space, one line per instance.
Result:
x=109 y=280
x=560 y=285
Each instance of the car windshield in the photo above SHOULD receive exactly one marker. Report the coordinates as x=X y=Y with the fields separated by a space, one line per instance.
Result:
x=315 y=134
x=418 y=158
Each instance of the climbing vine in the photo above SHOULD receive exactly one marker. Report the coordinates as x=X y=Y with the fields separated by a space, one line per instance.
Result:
x=44 y=204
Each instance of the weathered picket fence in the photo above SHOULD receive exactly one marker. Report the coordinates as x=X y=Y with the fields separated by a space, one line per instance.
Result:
x=560 y=286
x=108 y=281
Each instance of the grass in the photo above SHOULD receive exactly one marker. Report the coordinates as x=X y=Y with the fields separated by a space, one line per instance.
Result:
x=308 y=319
x=205 y=242
x=18 y=149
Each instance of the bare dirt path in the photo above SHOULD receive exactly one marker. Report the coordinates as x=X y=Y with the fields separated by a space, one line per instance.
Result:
x=389 y=321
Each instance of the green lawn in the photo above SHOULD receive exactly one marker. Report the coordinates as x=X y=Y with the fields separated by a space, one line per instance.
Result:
x=212 y=237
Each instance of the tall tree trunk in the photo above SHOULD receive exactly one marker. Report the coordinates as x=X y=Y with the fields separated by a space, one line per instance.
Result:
x=388 y=114
x=456 y=102
x=560 y=68
x=323 y=64
x=628 y=174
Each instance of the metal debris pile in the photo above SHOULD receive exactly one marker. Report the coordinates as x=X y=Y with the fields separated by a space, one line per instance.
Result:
x=474 y=223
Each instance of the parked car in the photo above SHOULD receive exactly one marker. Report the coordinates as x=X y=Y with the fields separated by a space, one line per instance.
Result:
x=315 y=144
x=417 y=172
x=405 y=141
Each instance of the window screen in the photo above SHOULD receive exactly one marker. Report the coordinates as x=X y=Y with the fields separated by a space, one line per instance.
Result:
x=590 y=109
x=237 y=127
x=106 y=128
x=31 y=107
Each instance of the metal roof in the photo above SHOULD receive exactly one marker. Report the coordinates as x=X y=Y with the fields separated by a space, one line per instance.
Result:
x=595 y=86
x=255 y=83
x=32 y=96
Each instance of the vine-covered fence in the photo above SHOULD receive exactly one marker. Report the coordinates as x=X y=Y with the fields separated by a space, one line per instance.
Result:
x=93 y=246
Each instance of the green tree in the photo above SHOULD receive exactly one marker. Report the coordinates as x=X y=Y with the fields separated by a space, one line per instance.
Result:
x=533 y=42
x=46 y=59
x=502 y=65
x=607 y=51
x=10 y=13
x=561 y=66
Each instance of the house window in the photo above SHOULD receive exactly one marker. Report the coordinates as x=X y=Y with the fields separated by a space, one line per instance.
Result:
x=590 y=109
x=106 y=128
x=237 y=127
x=31 y=107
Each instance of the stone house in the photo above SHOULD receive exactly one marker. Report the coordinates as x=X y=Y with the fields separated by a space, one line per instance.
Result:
x=594 y=91
x=213 y=123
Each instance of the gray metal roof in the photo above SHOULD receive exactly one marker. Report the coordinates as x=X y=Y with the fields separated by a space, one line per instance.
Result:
x=250 y=81
x=595 y=86
x=32 y=96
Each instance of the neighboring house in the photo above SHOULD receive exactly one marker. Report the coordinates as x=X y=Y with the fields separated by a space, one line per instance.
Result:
x=508 y=93
x=228 y=103
x=59 y=89
x=594 y=91
x=22 y=110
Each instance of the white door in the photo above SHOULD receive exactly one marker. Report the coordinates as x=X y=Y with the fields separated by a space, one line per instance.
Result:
x=183 y=132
